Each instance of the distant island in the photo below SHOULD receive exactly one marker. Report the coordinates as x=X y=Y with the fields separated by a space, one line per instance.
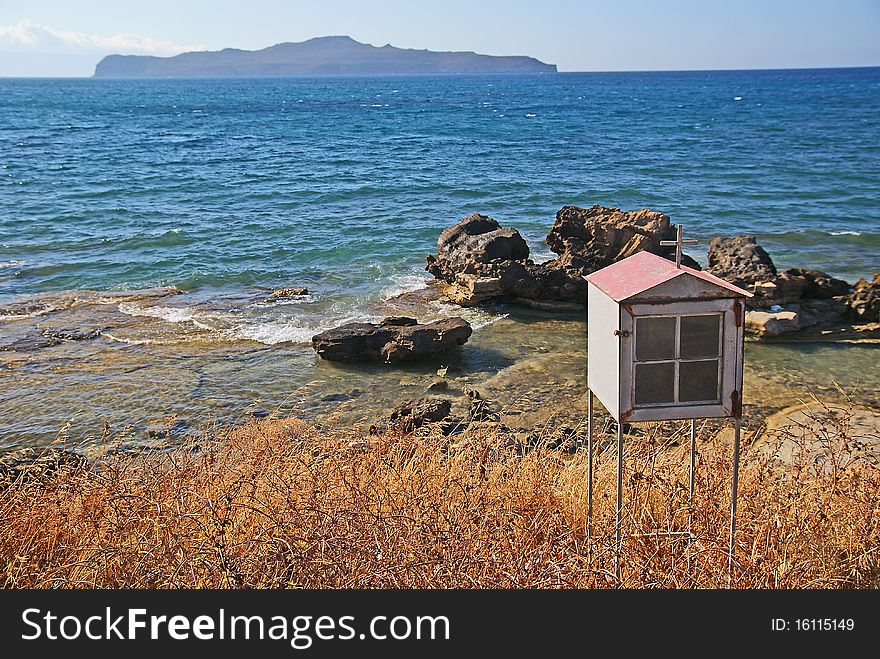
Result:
x=337 y=55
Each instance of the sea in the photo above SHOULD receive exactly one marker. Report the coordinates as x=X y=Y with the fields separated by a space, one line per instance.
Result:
x=229 y=188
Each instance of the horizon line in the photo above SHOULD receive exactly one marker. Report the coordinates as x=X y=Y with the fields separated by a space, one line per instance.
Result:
x=403 y=75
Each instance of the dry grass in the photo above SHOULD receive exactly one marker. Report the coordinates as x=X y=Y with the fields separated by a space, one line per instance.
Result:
x=279 y=504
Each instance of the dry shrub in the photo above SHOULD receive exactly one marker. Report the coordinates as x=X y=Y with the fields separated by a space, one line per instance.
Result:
x=279 y=504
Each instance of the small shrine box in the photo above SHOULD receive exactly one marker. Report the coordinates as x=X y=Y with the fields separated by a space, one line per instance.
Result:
x=664 y=341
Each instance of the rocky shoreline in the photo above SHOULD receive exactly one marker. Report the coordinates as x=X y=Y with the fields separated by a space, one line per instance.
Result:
x=478 y=260
x=494 y=333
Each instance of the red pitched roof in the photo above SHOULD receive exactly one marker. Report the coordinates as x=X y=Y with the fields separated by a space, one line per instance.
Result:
x=639 y=272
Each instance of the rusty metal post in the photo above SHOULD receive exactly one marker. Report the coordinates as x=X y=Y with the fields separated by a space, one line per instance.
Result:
x=690 y=532
x=693 y=465
x=590 y=472
x=617 y=518
x=733 y=490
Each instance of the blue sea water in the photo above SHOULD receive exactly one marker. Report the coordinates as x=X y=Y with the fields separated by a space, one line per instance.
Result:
x=343 y=184
x=226 y=188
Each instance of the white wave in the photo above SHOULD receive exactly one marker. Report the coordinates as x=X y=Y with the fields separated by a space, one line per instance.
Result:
x=401 y=284
x=272 y=333
x=284 y=302
x=477 y=317
x=291 y=331
x=531 y=116
x=10 y=264
x=168 y=314
x=845 y=233
x=541 y=253
x=737 y=98
x=119 y=339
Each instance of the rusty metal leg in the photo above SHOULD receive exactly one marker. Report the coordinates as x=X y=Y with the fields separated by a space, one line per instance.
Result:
x=691 y=486
x=733 y=501
x=617 y=519
x=590 y=473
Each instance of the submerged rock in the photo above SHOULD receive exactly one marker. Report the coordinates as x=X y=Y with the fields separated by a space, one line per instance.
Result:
x=30 y=343
x=416 y=413
x=50 y=337
x=403 y=339
x=71 y=333
x=24 y=308
x=284 y=293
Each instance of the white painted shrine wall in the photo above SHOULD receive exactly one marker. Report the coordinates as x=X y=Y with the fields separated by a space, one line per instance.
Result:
x=603 y=354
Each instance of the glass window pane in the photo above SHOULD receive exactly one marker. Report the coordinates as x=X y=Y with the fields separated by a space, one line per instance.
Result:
x=698 y=381
x=655 y=383
x=655 y=339
x=700 y=336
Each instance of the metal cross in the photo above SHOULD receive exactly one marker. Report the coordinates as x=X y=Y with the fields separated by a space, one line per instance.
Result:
x=677 y=243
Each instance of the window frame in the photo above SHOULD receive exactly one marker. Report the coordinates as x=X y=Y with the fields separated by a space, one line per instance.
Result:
x=677 y=359
x=730 y=360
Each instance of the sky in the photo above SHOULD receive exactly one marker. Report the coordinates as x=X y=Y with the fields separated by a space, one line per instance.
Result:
x=68 y=37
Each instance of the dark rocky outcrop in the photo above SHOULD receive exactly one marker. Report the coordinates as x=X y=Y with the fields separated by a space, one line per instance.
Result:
x=396 y=340
x=478 y=259
x=416 y=413
x=588 y=239
x=785 y=302
x=818 y=285
x=865 y=300
x=741 y=261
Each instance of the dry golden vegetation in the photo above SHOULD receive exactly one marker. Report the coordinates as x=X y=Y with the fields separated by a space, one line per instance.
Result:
x=280 y=504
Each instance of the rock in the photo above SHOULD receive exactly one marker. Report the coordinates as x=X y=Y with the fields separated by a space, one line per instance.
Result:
x=772 y=323
x=477 y=239
x=342 y=396
x=391 y=343
x=284 y=293
x=741 y=261
x=416 y=413
x=71 y=333
x=471 y=257
x=593 y=238
x=819 y=285
x=865 y=300
x=24 y=309
x=478 y=260
x=30 y=343
x=822 y=312
x=398 y=321
x=469 y=290
x=439 y=385
x=33 y=463
x=353 y=342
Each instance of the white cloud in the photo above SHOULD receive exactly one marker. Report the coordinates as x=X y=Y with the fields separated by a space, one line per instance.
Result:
x=29 y=37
